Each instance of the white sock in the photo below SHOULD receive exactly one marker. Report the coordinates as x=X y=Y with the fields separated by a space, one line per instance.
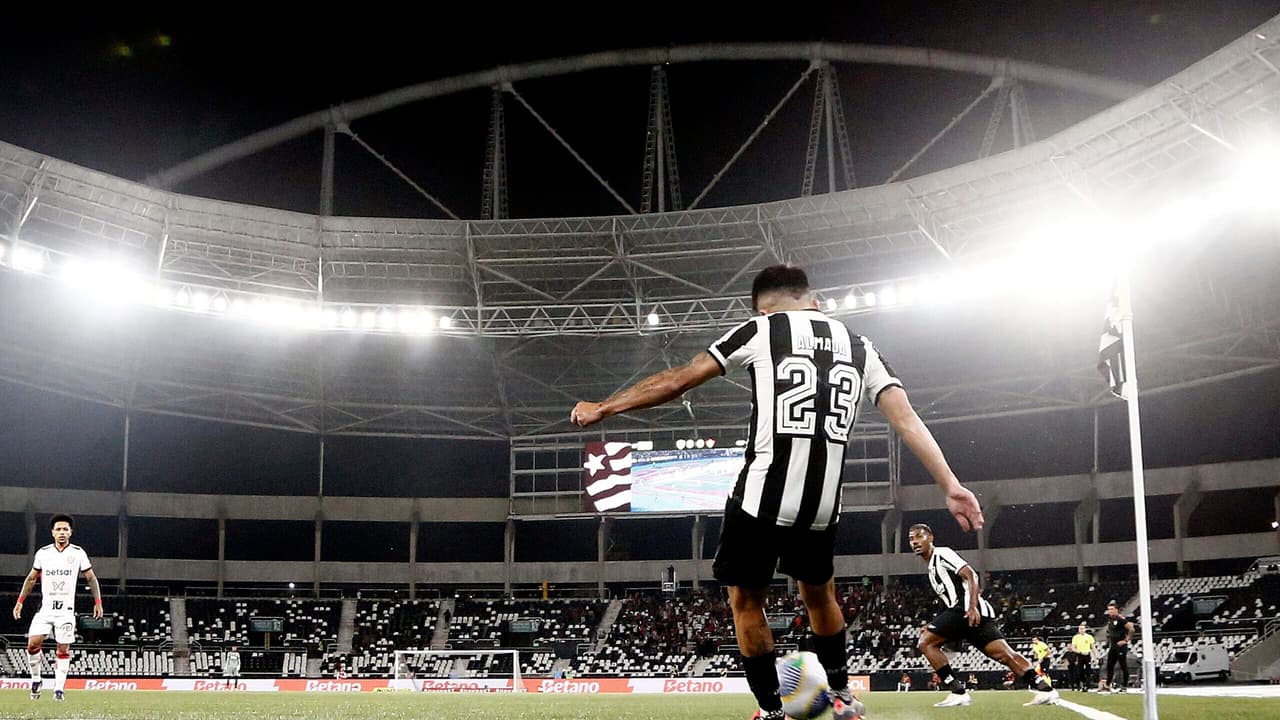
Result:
x=34 y=661
x=60 y=666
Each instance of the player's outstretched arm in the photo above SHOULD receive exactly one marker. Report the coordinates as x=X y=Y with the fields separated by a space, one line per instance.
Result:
x=961 y=503
x=92 y=579
x=27 y=585
x=653 y=390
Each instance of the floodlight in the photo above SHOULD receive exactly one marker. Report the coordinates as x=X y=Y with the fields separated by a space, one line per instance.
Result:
x=27 y=259
x=446 y=322
x=700 y=443
x=680 y=444
x=850 y=301
x=653 y=318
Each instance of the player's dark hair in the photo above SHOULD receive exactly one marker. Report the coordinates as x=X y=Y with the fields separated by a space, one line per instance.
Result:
x=1114 y=604
x=920 y=526
x=61 y=518
x=779 y=278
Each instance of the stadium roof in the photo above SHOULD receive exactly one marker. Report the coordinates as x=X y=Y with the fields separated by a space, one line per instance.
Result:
x=542 y=312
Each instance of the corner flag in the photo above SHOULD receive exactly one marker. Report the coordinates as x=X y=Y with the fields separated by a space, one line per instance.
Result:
x=1111 y=360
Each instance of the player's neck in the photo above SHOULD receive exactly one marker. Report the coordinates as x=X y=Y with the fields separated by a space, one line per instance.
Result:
x=60 y=546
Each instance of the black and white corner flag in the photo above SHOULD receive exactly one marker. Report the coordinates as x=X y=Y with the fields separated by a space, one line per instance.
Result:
x=1111 y=347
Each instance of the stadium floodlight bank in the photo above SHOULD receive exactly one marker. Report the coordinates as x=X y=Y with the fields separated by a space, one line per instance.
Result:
x=441 y=671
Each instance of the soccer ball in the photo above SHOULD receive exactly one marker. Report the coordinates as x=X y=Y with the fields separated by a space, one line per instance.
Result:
x=802 y=683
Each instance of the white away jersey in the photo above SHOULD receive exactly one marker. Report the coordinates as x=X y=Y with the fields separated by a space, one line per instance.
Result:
x=59 y=572
x=809 y=375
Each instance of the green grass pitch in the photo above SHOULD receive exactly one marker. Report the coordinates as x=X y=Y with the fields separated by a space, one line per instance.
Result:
x=990 y=705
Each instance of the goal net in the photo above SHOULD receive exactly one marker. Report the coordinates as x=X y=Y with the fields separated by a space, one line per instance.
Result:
x=457 y=671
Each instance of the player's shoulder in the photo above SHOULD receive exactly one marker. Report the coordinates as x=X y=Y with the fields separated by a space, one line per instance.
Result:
x=46 y=547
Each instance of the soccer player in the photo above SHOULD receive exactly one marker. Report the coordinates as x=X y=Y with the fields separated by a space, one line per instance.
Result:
x=1079 y=657
x=809 y=375
x=1119 y=633
x=967 y=616
x=231 y=668
x=58 y=566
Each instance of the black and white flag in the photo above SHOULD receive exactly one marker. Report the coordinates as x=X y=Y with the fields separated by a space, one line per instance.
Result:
x=607 y=485
x=1111 y=361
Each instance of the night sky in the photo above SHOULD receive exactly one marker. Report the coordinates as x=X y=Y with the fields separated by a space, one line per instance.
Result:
x=132 y=96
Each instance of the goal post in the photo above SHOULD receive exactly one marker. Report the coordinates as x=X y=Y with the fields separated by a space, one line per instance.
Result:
x=438 y=671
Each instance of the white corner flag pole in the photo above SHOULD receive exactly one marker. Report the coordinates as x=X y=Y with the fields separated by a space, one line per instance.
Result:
x=1139 y=502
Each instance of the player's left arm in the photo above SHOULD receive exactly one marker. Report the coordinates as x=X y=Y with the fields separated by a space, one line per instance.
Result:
x=92 y=579
x=653 y=390
x=971 y=613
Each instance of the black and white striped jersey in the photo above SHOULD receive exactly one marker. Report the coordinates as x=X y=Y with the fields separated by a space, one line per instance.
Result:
x=809 y=375
x=944 y=576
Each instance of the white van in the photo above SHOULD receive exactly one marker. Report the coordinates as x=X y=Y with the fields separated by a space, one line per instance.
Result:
x=1198 y=662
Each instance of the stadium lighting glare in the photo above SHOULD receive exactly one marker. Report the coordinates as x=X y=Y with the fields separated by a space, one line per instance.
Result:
x=1275 y=524
x=740 y=443
x=3 y=249
x=348 y=318
x=27 y=259
x=642 y=445
x=387 y=319
x=850 y=301
x=832 y=305
x=653 y=318
x=330 y=318
x=680 y=444
x=368 y=319
x=888 y=295
x=219 y=304
x=161 y=297
x=711 y=442
x=446 y=322
x=200 y=301
x=183 y=298
x=700 y=443
x=869 y=299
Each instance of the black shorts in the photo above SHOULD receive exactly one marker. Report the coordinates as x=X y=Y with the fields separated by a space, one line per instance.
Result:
x=953 y=625
x=751 y=549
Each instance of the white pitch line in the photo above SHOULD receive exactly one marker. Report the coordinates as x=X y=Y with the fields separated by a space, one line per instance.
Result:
x=1085 y=710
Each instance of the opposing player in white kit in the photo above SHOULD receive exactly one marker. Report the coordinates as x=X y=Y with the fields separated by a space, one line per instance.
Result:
x=58 y=567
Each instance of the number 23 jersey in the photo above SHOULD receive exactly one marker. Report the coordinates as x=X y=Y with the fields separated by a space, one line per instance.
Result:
x=809 y=375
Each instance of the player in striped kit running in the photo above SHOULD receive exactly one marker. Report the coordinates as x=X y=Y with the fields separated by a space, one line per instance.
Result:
x=966 y=616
